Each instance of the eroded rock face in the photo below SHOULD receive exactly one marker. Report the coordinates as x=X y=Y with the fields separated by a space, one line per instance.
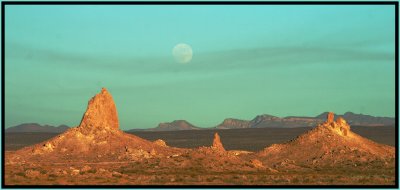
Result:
x=217 y=145
x=101 y=112
x=340 y=125
x=343 y=126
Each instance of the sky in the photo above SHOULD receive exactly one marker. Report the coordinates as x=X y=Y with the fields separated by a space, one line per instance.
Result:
x=282 y=60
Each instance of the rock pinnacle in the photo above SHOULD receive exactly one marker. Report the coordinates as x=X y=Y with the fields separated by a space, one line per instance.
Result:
x=330 y=117
x=217 y=145
x=101 y=112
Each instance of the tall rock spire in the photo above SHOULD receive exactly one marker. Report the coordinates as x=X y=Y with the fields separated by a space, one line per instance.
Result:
x=217 y=145
x=101 y=112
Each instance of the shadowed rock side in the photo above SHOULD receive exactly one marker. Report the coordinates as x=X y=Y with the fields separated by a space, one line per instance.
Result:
x=330 y=143
x=97 y=138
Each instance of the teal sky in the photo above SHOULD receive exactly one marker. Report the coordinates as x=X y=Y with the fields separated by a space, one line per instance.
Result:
x=247 y=60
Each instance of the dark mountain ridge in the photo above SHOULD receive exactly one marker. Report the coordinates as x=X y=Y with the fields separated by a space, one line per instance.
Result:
x=176 y=125
x=260 y=121
x=36 y=128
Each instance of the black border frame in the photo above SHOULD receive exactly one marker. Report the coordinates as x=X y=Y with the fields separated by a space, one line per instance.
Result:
x=4 y=3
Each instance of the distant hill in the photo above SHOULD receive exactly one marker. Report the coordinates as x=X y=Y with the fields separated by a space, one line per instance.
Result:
x=231 y=123
x=34 y=128
x=176 y=125
x=270 y=121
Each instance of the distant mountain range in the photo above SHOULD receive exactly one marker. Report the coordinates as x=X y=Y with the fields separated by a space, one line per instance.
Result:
x=176 y=125
x=260 y=121
x=34 y=127
x=269 y=121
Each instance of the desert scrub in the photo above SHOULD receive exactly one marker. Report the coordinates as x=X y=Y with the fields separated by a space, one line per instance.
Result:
x=22 y=174
x=43 y=171
x=91 y=171
x=211 y=178
x=306 y=180
x=295 y=180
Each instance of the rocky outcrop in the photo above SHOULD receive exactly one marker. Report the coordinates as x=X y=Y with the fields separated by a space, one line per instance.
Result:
x=160 y=142
x=340 y=126
x=257 y=163
x=101 y=113
x=330 y=143
x=98 y=137
x=217 y=145
x=343 y=126
x=331 y=117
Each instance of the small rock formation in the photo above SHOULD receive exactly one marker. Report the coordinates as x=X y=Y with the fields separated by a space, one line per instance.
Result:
x=340 y=126
x=101 y=112
x=86 y=168
x=257 y=163
x=160 y=142
x=344 y=127
x=330 y=117
x=217 y=145
x=32 y=173
x=330 y=143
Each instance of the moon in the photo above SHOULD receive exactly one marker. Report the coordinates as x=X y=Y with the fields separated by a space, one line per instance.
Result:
x=182 y=53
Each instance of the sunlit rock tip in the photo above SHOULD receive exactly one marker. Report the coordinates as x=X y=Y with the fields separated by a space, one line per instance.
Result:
x=104 y=90
x=101 y=112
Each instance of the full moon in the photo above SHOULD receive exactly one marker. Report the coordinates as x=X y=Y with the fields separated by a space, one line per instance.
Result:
x=182 y=53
